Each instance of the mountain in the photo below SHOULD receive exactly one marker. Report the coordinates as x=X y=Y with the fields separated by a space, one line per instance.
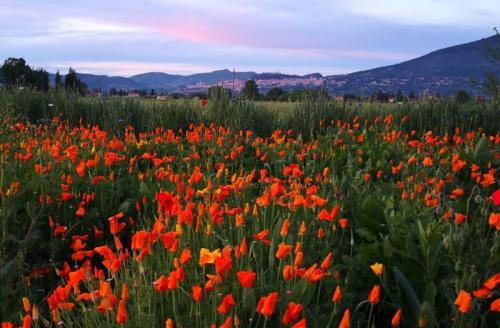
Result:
x=103 y=82
x=168 y=82
x=443 y=71
x=461 y=67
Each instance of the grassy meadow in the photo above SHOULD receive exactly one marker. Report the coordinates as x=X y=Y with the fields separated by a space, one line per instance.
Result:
x=122 y=212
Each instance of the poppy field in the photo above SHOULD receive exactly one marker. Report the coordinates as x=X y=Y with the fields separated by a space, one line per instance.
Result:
x=369 y=223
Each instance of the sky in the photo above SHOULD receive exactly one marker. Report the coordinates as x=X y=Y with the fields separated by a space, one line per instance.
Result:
x=192 y=36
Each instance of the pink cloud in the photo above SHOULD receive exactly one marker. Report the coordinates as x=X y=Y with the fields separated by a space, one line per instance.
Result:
x=197 y=30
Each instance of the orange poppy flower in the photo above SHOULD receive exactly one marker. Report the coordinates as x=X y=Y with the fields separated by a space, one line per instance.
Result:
x=207 y=257
x=80 y=212
x=197 y=293
x=396 y=319
x=284 y=228
x=492 y=282
x=121 y=316
x=166 y=200
x=463 y=301
x=377 y=268
x=161 y=284
x=287 y=272
x=300 y=324
x=267 y=304
x=246 y=278
x=374 y=295
x=223 y=265
x=185 y=256
x=292 y=313
x=494 y=220
x=26 y=304
x=495 y=305
x=326 y=262
x=346 y=320
x=124 y=295
x=427 y=161
x=459 y=218
x=227 y=304
x=27 y=321
x=283 y=251
x=261 y=235
x=337 y=295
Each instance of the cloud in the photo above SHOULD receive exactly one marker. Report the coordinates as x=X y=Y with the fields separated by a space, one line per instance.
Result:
x=127 y=68
x=182 y=36
x=429 y=12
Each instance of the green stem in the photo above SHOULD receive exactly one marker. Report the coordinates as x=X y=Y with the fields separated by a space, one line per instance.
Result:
x=370 y=315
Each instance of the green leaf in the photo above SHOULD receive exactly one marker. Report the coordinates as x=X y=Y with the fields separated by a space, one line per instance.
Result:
x=366 y=234
x=371 y=216
x=145 y=191
x=388 y=248
x=481 y=151
x=430 y=293
x=274 y=242
x=249 y=301
x=426 y=315
x=303 y=291
x=124 y=207
x=408 y=291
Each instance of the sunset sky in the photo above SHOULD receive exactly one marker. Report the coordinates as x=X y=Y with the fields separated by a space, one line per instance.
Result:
x=189 y=36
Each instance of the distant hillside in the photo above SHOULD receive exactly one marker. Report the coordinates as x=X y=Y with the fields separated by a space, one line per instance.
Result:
x=443 y=71
x=104 y=82
x=168 y=82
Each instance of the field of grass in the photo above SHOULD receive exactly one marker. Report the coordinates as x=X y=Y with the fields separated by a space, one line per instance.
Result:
x=117 y=212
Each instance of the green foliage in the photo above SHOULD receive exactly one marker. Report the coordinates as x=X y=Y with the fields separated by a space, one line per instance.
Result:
x=73 y=84
x=493 y=87
x=115 y=113
x=58 y=80
x=15 y=72
x=462 y=96
x=251 y=91
x=275 y=94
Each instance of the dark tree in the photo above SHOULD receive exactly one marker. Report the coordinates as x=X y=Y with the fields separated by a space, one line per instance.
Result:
x=380 y=96
x=493 y=87
x=218 y=93
x=462 y=96
x=14 y=71
x=251 y=91
x=58 y=80
x=275 y=94
x=349 y=97
x=73 y=84
x=38 y=79
x=399 y=96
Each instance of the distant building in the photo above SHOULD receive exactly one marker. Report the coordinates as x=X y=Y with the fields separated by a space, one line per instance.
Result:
x=161 y=97
x=133 y=94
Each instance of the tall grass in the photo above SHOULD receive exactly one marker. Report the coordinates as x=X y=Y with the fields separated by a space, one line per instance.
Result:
x=114 y=114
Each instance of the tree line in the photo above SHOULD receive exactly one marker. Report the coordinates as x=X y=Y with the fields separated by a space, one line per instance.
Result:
x=16 y=73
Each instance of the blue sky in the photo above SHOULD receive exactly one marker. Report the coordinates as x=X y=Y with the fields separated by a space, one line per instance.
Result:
x=291 y=36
